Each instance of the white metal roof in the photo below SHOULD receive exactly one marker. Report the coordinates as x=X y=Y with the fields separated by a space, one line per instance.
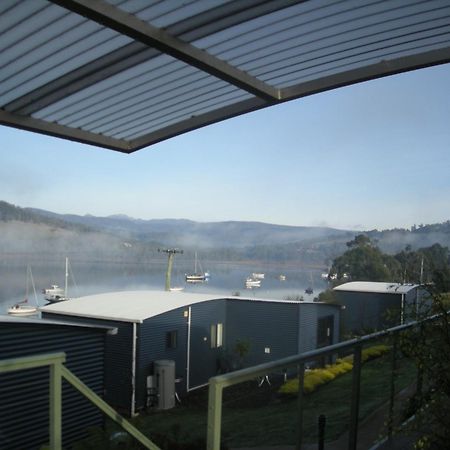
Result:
x=376 y=287
x=136 y=306
x=126 y=306
x=125 y=74
x=38 y=321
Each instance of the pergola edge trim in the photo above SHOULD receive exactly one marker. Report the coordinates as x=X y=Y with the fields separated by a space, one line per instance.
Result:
x=61 y=131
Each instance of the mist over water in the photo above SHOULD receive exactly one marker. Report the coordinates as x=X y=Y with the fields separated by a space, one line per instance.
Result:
x=94 y=278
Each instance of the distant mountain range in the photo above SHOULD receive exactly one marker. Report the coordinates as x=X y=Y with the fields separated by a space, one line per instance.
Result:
x=182 y=232
x=119 y=237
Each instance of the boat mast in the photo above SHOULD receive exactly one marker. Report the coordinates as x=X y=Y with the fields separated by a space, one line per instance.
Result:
x=66 y=278
x=195 y=263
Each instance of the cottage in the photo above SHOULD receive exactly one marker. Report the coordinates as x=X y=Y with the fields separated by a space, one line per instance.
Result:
x=24 y=406
x=197 y=332
x=376 y=305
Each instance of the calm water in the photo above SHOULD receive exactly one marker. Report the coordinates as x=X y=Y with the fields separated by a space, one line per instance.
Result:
x=87 y=279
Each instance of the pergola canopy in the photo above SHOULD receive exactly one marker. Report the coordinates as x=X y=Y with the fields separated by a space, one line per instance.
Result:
x=125 y=74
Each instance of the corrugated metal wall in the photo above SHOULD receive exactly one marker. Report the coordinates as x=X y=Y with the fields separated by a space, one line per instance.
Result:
x=152 y=346
x=366 y=311
x=204 y=360
x=118 y=360
x=24 y=395
x=270 y=328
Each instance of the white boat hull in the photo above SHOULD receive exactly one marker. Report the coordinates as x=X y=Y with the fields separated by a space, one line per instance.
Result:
x=22 y=310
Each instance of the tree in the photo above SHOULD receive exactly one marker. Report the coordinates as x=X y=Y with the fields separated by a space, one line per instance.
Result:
x=429 y=345
x=364 y=262
x=361 y=240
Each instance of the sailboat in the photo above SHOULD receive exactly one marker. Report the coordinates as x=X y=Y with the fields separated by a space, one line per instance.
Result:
x=54 y=293
x=197 y=277
x=23 y=308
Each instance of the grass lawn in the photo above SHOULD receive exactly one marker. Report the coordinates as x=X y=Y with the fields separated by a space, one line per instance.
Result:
x=255 y=415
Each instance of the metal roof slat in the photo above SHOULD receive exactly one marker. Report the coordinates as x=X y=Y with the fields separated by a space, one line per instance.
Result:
x=41 y=45
x=60 y=91
x=278 y=54
x=195 y=122
x=17 y=13
x=361 y=48
x=182 y=11
x=206 y=107
x=147 y=101
x=332 y=31
x=309 y=28
x=112 y=89
x=293 y=19
x=370 y=71
x=39 y=73
x=183 y=107
x=6 y=5
x=315 y=67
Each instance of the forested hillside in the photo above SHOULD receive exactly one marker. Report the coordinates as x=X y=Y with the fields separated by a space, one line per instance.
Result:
x=46 y=234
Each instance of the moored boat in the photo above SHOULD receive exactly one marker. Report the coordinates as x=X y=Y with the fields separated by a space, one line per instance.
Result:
x=54 y=294
x=258 y=276
x=197 y=276
x=23 y=308
x=251 y=283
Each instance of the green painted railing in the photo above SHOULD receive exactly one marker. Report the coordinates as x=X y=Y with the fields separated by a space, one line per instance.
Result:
x=218 y=383
x=58 y=371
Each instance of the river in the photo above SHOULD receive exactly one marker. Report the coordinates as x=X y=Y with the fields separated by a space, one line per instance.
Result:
x=92 y=278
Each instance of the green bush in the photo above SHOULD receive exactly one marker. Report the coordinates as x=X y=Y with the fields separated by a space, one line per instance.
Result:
x=317 y=377
x=374 y=352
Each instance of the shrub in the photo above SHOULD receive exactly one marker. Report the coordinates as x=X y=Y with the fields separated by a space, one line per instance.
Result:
x=317 y=377
x=374 y=352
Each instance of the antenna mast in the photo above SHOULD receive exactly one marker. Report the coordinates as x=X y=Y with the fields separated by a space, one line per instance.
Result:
x=170 y=254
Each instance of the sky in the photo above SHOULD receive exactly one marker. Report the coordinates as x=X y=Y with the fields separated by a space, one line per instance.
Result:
x=372 y=155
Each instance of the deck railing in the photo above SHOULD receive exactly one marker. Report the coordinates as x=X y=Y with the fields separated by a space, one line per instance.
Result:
x=58 y=371
x=353 y=346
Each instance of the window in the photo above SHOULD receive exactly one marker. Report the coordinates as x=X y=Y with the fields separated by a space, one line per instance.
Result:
x=171 y=339
x=216 y=335
x=219 y=335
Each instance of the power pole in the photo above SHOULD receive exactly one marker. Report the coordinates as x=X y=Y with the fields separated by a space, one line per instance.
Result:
x=170 y=254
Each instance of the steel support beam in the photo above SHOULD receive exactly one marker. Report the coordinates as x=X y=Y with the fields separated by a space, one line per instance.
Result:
x=54 y=129
x=129 y=25
x=196 y=122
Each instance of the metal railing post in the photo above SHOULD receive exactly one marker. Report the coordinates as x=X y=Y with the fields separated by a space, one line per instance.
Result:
x=356 y=386
x=301 y=379
x=55 y=423
x=321 y=435
x=214 y=415
x=392 y=393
